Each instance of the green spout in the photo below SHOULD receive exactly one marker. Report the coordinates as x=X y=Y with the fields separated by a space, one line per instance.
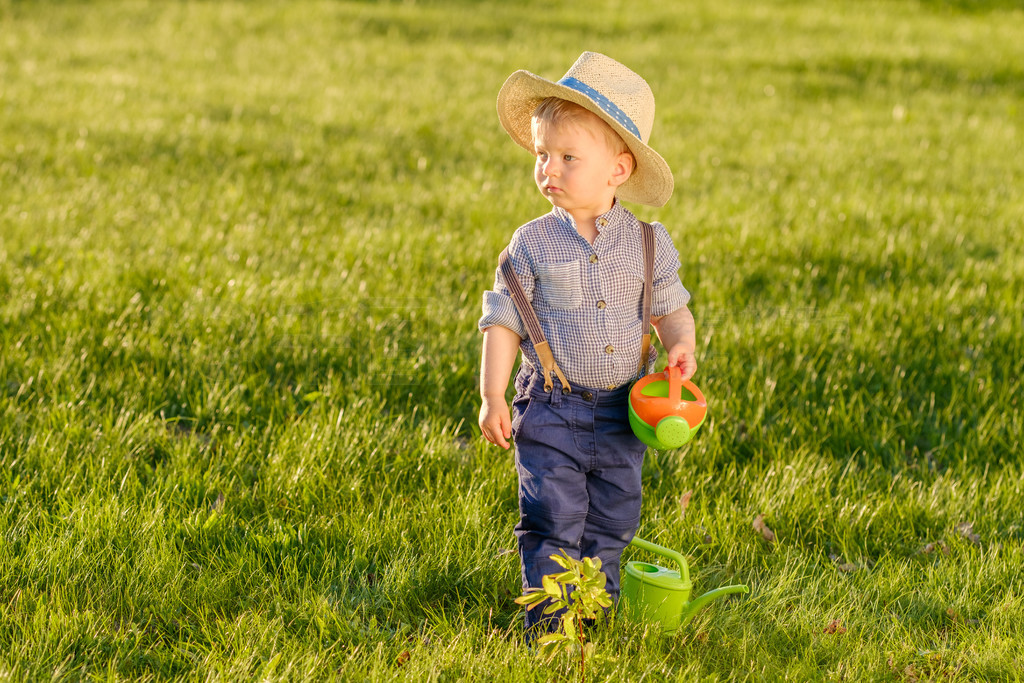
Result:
x=690 y=610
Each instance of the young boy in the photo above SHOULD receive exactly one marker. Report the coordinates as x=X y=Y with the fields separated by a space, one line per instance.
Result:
x=581 y=266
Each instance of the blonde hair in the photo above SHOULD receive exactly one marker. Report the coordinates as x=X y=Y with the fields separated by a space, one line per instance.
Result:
x=557 y=111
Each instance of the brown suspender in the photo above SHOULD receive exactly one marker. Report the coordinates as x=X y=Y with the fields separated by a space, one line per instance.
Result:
x=647 y=235
x=533 y=329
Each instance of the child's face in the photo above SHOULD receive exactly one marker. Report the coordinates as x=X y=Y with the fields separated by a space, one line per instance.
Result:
x=576 y=169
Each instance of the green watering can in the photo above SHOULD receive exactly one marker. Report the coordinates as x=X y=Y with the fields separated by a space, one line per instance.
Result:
x=653 y=593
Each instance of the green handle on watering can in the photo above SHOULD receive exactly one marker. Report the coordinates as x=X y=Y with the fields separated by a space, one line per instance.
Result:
x=684 y=569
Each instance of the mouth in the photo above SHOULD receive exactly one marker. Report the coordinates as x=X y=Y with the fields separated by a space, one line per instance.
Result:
x=551 y=189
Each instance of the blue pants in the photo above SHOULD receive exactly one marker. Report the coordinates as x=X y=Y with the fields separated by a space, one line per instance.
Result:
x=579 y=469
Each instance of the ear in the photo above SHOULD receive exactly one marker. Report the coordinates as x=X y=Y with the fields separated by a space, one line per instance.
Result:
x=622 y=169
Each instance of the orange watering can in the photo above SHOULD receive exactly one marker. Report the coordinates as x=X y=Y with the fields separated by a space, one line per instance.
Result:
x=665 y=411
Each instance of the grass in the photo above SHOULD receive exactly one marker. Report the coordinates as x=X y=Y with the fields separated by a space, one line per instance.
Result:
x=242 y=248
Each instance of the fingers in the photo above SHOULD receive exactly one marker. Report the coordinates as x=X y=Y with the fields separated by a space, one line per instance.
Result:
x=502 y=437
x=684 y=360
x=497 y=429
x=498 y=437
x=688 y=367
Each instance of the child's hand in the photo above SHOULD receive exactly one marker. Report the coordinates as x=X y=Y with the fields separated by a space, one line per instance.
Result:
x=676 y=333
x=495 y=422
x=682 y=357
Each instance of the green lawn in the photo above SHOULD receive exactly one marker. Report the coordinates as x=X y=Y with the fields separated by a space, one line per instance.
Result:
x=242 y=252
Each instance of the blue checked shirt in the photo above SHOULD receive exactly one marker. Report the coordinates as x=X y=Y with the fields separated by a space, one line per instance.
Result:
x=588 y=298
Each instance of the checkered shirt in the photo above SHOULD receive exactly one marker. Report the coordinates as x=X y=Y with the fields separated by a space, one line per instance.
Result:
x=588 y=298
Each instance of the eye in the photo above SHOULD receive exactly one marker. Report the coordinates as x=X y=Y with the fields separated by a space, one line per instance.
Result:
x=568 y=157
x=542 y=156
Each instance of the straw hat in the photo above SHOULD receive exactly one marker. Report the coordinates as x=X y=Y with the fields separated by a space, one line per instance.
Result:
x=603 y=86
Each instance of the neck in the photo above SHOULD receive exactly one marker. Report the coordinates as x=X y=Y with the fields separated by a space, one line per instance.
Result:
x=586 y=221
x=586 y=229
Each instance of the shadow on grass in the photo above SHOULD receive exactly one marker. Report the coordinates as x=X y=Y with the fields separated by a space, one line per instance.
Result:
x=971 y=6
x=859 y=76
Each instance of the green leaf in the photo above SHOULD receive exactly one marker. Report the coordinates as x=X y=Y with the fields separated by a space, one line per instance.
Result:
x=565 y=577
x=212 y=521
x=555 y=606
x=272 y=664
x=563 y=560
x=529 y=603
x=532 y=596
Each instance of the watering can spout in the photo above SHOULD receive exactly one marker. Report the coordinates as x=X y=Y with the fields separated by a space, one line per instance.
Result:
x=695 y=605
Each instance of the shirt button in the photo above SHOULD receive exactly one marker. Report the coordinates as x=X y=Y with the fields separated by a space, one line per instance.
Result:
x=602 y=222
x=601 y=305
x=609 y=349
x=593 y=258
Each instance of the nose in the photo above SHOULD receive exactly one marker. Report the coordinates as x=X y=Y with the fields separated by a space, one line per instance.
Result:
x=550 y=167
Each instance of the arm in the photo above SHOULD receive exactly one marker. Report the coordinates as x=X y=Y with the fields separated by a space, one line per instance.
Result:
x=499 y=355
x=677 y=332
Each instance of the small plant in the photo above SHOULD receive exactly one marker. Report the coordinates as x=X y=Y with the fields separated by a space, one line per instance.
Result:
x=579 y=594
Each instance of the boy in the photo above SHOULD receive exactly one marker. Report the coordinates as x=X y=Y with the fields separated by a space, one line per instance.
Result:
x=581 y=266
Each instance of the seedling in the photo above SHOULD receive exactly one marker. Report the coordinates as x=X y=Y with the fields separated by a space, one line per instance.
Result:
x=579 y=595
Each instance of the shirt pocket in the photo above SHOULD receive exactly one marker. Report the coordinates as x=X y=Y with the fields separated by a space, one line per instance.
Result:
x=560 y=284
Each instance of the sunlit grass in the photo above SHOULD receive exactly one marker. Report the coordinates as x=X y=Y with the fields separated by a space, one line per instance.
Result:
x=242 y=249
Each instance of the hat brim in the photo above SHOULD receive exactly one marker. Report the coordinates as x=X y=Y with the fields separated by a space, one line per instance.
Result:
x=651 y=182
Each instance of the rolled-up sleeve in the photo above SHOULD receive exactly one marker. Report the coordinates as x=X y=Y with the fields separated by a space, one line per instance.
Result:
x=668 y=292
x=499 y=310
x=498 y=307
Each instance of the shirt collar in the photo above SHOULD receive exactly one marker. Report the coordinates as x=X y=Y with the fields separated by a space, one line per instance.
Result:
x=617 y=215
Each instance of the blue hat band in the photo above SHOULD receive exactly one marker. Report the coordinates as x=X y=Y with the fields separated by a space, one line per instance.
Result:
x=606 y=105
